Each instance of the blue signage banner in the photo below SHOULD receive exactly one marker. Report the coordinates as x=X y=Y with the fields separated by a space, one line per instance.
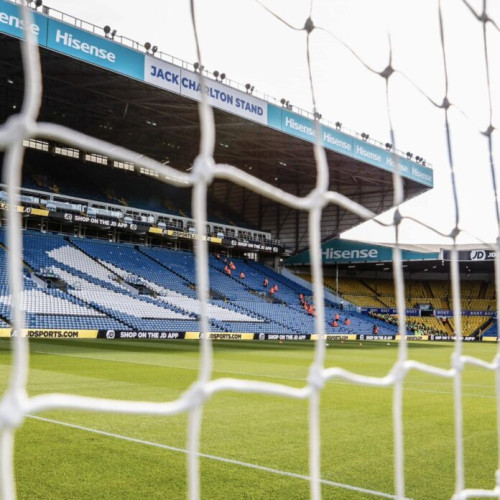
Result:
x=298 y=126
x=390 y=310
x=337 y=251
x=447 y=313
x=335 y=140
x=11 y=22
x=95 y=49
x=273 y=116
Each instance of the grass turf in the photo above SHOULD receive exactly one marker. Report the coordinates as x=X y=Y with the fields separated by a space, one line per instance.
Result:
x=58 y=462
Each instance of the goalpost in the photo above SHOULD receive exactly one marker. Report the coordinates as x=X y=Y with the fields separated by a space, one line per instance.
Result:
x=16 y=403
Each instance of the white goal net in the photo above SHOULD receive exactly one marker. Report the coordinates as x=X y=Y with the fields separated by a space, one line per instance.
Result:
x=450 y=105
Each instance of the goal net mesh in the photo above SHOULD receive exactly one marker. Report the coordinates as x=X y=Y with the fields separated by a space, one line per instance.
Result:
x=16 y=403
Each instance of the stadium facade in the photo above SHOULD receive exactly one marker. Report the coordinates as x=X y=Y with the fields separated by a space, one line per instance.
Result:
x=121 y=92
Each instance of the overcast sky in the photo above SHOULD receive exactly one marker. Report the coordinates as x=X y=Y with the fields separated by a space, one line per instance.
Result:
x=250 y=45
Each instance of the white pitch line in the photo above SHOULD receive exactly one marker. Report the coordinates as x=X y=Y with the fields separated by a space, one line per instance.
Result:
x=214 y=457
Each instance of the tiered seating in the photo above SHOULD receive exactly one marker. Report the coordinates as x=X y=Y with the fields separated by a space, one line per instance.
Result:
x=427 y=324
x=102 y=282
x=133 y=262
x=213 y=311
x=470 y=324
x=168 y=268
x=356 y=292
x=99 y=287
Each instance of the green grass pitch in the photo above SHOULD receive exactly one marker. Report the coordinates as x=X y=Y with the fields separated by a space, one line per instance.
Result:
x=87 y=455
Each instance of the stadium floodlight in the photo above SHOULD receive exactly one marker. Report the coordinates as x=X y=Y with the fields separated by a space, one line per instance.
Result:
x=388 y=146
x=338 y=125
x=250 y=88
x=196 y=65
x=216 y=74
x=107 y=29
x=222 y=76
x=409 y=155
x=38 y=3
x=317 y=116
x=147 y=46
x=365 y=136
x=113 y=33
x=154 y=49
x=247 y=86
x=283 y=101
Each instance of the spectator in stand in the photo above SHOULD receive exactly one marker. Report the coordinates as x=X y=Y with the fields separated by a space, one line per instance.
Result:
x=347 y=322
x=226 y=269
x=275 y=288
x=375 y=329
x=232 y=266
x=305 y=305
x=334 y=324
x=337 y=316
x=271 y=291
x=242 y=275
x=310 y=310
x=217 y=256
x=266 y=282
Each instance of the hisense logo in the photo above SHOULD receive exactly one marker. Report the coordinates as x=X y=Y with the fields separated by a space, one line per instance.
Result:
x=361 y=253
x=70 y=41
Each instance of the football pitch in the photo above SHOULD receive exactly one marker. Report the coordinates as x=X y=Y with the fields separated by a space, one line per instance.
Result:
x=253 y=446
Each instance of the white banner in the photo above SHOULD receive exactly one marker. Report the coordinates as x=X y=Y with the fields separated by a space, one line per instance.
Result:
x=162 y=74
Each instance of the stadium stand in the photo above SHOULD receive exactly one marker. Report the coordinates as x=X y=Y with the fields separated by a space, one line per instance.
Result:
x=476 y=295
x=84 y=283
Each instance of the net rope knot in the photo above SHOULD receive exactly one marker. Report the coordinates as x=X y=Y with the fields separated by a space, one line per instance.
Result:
x=11 y=411
x=457 y=362
x=315 y=378
x=317 y=198
x=398 y=372
x=203 y=169
x=15 y=129
x=197 y=394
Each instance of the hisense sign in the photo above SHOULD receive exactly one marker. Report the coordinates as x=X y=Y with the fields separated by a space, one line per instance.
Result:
x=339 y=251
x=350 y=255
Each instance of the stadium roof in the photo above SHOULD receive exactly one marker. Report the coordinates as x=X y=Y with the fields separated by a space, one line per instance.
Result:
x=361 y=257
x=165 y=126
